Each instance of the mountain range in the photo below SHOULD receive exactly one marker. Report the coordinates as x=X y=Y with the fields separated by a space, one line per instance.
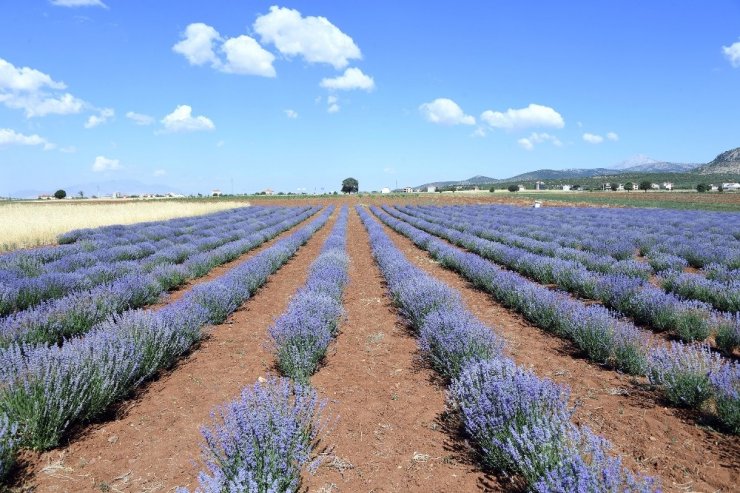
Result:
x=726 y=163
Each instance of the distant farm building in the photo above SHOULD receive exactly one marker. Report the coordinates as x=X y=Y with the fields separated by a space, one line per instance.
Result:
x=521 y=187
x=713 y=187
x=655 y=186
x=45 y=197
x=215 y=192
x=408 y=190
x=566 y=188
x=385 y=190
x=731 y=186
x=668 y=185
x=268 y=191
x=431 y=189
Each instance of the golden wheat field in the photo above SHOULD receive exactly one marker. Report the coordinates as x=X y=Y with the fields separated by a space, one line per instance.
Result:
x=29 y=224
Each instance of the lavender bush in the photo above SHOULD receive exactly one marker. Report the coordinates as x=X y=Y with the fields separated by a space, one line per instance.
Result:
x=261 y=441
x=8 y=444
x=725 y=381
x=683 y=372
x=728 y=332
x=302 y=334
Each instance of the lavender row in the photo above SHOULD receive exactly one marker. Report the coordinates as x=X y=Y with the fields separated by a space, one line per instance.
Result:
x=690 y=320
x=45 y=390
x=699 y=237
x=301 y=335
x=483 y=228
x=55 y=320
x=724 y=296
x=602 y=337
x=261 y=441
x=520 y=423
x=721 y=296
x=85 y=270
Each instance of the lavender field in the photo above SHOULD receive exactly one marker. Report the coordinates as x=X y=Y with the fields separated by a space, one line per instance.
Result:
x=503 y=311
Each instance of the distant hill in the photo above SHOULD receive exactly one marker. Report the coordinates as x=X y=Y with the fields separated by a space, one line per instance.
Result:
x=126 y=187
x=559 y=174
x=726 y=163
x=636 y=160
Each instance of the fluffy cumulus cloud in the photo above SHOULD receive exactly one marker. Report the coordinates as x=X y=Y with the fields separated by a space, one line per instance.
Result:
x=78 y=3
x=353 y=78
x=197 y=45
x=445 y=111
x=182 y=120
x=732 y=53
x=292 y=114
x=593 y=138
x=103 y=163
x=9 y=137
x=241 y=55
x=103 y=116
x=35 y=92
x=528 y=143
x=245 y=56
x=613 y=136
x=140 y=119
x=534 y=115
x=314 y=38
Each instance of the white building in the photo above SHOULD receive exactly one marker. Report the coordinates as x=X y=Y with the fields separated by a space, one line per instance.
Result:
x=620 y=188
x=215 y=192
x=385 y=190
x=713 y=187
x=655 y=186
x=408 y=190
x=668 y=185
x=730 y=186
x=431 y=189
x=566 y=188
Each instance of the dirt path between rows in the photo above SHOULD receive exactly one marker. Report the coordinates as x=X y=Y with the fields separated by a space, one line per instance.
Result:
x=154 y=445
x=389 y=436
x=651 y=438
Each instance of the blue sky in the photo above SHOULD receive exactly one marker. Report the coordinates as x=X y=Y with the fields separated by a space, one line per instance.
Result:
x=297 y=96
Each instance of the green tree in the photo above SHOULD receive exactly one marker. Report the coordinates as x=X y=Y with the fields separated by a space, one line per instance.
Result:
x=702 y=187
x=645 y=185
x=629 y=186
x=81 y=194
x=60 y=194
x=350 y=185
x=513 y=188
x=492 y=189
x=614 y=187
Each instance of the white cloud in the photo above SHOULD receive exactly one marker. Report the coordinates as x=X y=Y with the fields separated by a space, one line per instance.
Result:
x=38 y=104
x=445 y=111
x=613 y=136
x=139 y=118
x=333 y=104
x=68 y=149
x=732 y=53
x=534 y=115
x=102 y=163
x=10 y=137
x=27 y=79
x=292 y=114
x=78 y=3
x=314 y=38
x=245 y=56
x=103 y=116
x=181 y=120
x=159 y=172
x=538 y=138
x=34 y=92
x=593 y=138
x=479 y=132
x=197 y=45
x=353 y=78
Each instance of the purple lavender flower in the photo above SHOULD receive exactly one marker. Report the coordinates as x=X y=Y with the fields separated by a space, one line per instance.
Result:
x=726 y=383
x=262 y=441
x=683 y=372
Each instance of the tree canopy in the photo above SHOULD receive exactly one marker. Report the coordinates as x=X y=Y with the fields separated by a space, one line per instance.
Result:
x=645 y=185
x=60 y=194
x=350 y=185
